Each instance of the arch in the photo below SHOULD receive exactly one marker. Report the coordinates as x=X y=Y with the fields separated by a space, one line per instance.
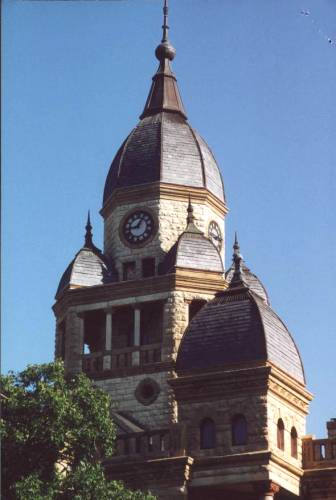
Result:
x=294 y=444
x=195 y=306
x=280 y=434
x=207 y=434
x=239 y=430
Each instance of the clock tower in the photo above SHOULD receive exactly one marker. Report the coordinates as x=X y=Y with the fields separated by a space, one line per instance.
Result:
x=208 y=386
x=121 y=312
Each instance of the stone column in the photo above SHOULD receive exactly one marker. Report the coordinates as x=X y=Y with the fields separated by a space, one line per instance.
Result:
x=74 y=342
x=136 y=355
x=266 y=490
x=108 y=340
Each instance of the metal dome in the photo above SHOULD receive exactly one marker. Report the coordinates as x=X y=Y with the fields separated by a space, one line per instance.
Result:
x=163 y=147
x=235 y=328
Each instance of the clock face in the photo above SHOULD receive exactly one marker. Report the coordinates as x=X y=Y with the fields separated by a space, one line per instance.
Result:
x=138 y=227
x=215 y=235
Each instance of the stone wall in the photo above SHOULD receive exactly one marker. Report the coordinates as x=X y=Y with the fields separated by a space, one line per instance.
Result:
x=160 y=413
x=292 y=417
x=222 y=411
x=176 y=314
x=172 y=217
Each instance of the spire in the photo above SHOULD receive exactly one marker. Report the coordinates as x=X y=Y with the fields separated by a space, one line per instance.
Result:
x=237 y=278
x=88 y=235
x=165 y=26
x=191 y=226
x=164 y=94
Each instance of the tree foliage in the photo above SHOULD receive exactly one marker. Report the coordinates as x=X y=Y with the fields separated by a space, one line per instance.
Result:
x=55 y=430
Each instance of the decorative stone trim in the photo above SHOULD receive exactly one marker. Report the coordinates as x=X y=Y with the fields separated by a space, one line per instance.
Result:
x=160 y=190
x=147 y=391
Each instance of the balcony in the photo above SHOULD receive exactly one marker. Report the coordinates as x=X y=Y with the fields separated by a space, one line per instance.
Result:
x=155 y=443
x=126 y=357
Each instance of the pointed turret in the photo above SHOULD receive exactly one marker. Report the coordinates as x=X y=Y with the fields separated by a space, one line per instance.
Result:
x=88 y=243
x=191 y=226
x=164 y=94
x=88 y=235
x=238 y=277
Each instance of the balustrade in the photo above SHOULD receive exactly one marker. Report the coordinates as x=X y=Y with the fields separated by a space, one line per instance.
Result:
x=121 y=358
x=158 y=443
x=318 y=452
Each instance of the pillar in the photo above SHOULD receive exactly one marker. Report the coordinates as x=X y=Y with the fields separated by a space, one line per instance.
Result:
x=74 y=342
x=108 y=340
x=136 y=343
x=266 y=490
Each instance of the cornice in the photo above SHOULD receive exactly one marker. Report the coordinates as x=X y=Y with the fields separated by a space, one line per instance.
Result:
x=289 y=390
x=297 y=471
x=188 y=280
x=234 y=460
x=131 y=371
x=140 y=472
x=211 y=385
x=160 y=190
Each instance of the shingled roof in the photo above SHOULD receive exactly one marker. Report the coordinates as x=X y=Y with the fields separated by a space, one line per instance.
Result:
x=238 y=327
x=252 y=280
x=192 y=251
x=163 y=146
x=89 y=267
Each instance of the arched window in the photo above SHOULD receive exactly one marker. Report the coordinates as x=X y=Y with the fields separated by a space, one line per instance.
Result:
x=294 y=442
x=239 y=430
x=207 y=434
x=281 y=435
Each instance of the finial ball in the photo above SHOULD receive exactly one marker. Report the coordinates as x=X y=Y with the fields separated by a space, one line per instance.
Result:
x=165 y=51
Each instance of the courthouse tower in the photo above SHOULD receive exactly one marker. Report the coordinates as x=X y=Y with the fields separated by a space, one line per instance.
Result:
x=208 y=384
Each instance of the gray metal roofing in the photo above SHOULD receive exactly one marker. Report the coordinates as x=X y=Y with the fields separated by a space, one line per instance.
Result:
x=252 y=281
x=88 y=268
x=193 y=251
x=238 y=327
x=164 y=147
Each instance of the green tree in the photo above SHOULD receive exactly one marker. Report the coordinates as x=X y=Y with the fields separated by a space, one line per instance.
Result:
x=55 y=430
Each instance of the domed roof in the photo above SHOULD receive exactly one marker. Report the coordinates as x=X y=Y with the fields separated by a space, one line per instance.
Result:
x=88 y=268
x=238 y=327
x=193 y=251
x=163 y=146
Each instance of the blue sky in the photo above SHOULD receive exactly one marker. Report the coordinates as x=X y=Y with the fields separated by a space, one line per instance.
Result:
x=258 y=81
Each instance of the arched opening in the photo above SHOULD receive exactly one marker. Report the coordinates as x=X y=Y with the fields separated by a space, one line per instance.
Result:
x=281 y=435
x=195 y=306
x=207 y=434
x=239 y=430
x=294 y=446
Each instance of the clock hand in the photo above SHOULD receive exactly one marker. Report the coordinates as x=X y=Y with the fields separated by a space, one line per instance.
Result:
x=136 y=226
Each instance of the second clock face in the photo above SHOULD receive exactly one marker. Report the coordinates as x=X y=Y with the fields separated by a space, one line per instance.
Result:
x=138 y=227
x=215 y=235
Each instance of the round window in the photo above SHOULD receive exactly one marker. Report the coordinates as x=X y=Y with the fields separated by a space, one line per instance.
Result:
x=147 y=391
